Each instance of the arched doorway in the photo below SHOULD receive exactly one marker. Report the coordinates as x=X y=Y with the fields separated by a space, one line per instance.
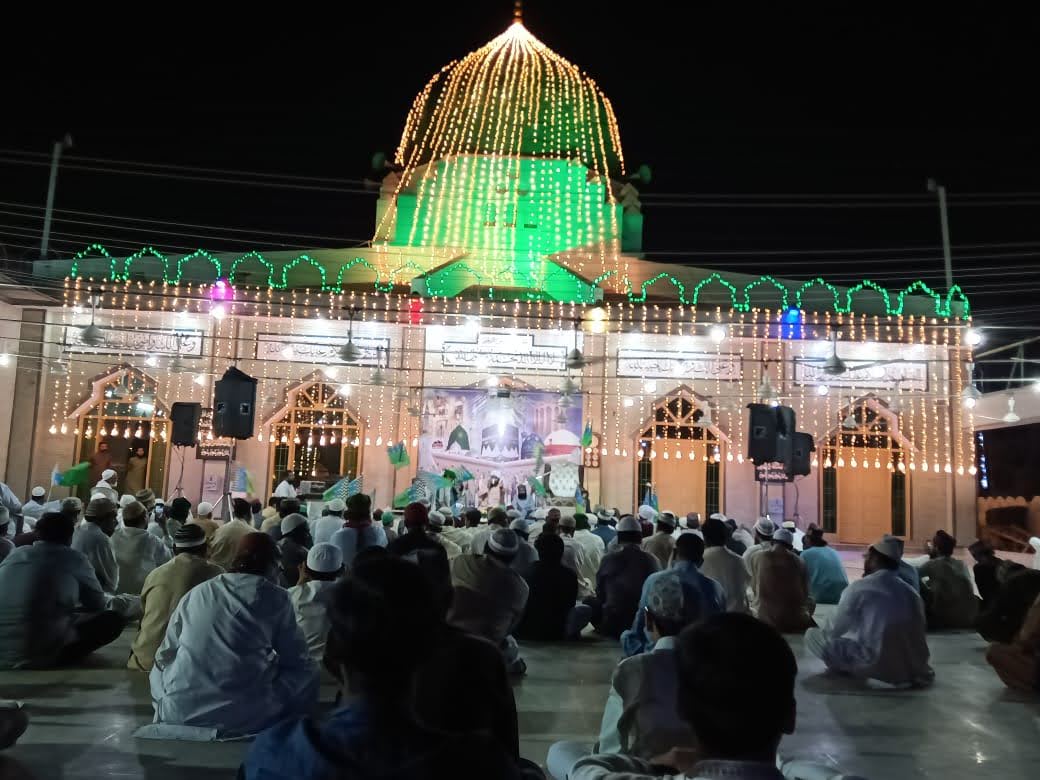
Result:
x=680 y=452
x=124 y=411
x=315 y=434
x=864 y=482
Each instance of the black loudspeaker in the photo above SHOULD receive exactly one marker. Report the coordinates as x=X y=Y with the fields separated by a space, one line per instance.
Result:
x=770 y=434
x=184 y=422
x=762 y=434
x=802 y=448
x=234 y=403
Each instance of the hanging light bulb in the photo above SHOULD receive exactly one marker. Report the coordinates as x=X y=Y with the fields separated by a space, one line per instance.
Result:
x=624 y=453
x=321 y=440
x=357 y=441
x=310 y=440
x=827 y=463
x=368 y=441
x=948 y=468
x=972 y=470
x=729 y=457
x=139 y=433
x=653 y=454
x=126 y=431
x=740 y=457
x=53 y=429
x=877 y=464
x=209 y=435
x=415 y=441
x=296 y=439
x=815 y=462
x=913 y=466
x=162 y=434
x=101 y=431
x=284 y=439
x=151 y=433
x=617 y=451
x=960 y=471
x=666 y=454
x=841 y=462
x=935 y=467
x=64 y=429
x=853 y=463
x=332 y=438
x=379 y=441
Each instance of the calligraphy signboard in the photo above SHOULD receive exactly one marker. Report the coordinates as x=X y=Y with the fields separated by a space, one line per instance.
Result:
x=657 y=364
x=139 y=341
x=323 y=350
x=504 y=350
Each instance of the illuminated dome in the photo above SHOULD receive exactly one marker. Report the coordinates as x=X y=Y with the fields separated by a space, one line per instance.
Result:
x=513 y=97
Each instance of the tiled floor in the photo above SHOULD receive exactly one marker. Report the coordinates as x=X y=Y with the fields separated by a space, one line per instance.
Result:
x=967 y=724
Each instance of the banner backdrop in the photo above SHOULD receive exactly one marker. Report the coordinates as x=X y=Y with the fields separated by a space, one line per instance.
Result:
x=497 y=439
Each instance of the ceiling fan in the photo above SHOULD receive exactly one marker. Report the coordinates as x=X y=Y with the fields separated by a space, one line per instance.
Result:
x=575 y=360
x=92 y=335
x=1010 y=417
x=350 y=352
x=833 y=365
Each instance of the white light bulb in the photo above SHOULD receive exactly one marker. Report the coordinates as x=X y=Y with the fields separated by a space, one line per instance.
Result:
x=717 y=333
x=822 y=389
x=650 y=386
x=217 y=311
x=629 y=402
x=972 y=337
x=151 y=361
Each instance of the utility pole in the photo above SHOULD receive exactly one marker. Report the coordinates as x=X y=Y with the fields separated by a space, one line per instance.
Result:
x=59 y=147
x=944 y=222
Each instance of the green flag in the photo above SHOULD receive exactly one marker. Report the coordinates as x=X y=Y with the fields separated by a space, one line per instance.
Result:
x=77 y=475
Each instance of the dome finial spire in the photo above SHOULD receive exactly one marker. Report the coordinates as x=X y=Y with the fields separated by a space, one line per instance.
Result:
x=518 y=11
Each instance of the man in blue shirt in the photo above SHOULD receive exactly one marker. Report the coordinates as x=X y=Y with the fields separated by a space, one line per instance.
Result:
x=827 y=578
x=604 y=530
x=702 y=595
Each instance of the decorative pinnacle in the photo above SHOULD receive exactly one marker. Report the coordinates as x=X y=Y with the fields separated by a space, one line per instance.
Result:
x=518 y=11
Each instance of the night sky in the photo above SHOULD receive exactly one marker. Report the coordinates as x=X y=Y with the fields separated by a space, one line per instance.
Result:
x=849 y=111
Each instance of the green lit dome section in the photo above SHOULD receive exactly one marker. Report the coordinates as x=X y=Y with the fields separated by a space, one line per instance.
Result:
x=508 y=163
x=513 y=97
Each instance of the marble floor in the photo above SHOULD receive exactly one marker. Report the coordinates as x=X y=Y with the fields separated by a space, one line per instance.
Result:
x=967 y=724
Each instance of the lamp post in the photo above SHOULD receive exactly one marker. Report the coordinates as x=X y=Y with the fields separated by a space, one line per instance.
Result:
x=944 y=223
x=59 y=147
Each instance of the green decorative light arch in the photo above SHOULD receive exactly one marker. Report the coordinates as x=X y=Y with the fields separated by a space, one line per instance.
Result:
x=555 y=282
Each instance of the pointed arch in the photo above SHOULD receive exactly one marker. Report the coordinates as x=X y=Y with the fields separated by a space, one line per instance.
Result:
x=699 y=403
x=882 y=410
x=110 y=378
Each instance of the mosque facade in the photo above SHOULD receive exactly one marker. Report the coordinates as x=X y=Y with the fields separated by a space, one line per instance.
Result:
x=502 y=325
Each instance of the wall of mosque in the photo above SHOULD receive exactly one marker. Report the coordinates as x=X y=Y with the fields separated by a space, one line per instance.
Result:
x=10 y=324
x=629 y=375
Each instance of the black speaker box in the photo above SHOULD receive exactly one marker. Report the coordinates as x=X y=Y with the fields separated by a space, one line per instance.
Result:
x=184 y=423
x=234 y=405
x=770 y=433
x=785 y=431
x=802 y=448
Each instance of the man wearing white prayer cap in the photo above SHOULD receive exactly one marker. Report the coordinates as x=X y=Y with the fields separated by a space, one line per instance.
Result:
x=437 y=522
x=331 y=520
x=106 y=486
x=490 y=596
x=764 y=529
x=318 y=575
x=780 y=586
x=878 y=631
x=526 y=554
x=448 y=531
x=798 y=534
x=32 y=510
